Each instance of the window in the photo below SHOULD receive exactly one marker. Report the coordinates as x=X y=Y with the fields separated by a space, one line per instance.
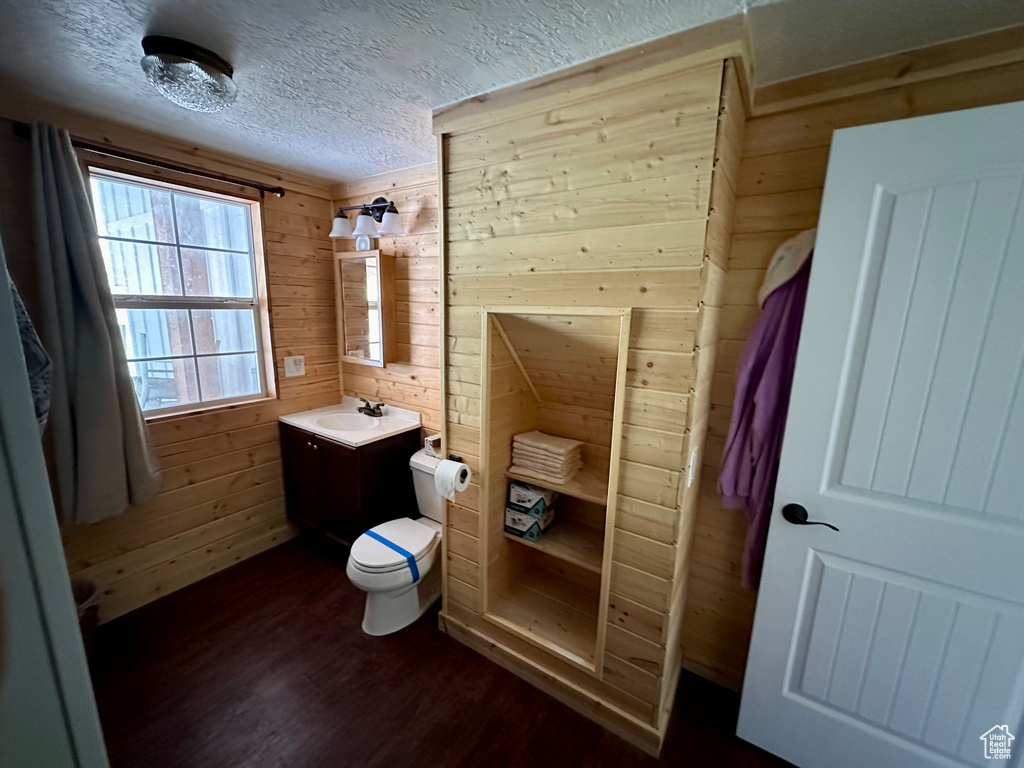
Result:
x=183 y=269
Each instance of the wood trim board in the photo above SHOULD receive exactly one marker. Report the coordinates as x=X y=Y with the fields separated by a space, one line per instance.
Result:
x=709 y=42
x=991 y=49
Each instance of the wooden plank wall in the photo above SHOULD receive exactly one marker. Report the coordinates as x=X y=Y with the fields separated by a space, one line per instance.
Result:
x=223 y=495
x=597 y=195
x=413 y=380
x=779 y=189
x=728 y=146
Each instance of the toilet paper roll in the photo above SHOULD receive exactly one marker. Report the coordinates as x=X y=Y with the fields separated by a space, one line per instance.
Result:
x=451 y=476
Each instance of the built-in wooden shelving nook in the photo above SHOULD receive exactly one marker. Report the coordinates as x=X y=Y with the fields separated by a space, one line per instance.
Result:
x=585 y=223
x=539 y=362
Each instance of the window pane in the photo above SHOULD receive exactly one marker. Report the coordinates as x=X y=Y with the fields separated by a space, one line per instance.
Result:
x=372 y=286
x=154 y=332
x=215 y=273
x=224 y=330
x=138 y=269
x=212 y=223
x=374 y=318
x=128 y=210
x=164 y=383
x=229 y=376
x=158 y=242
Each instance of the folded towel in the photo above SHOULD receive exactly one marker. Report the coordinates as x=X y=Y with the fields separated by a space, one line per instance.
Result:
x=565 y=471
x=541 y=459
x=558 y=446
x=551 y=463
x=527 y=450
x=552 y=473
x=555 y=467
x=516 y=446
x=528 y=472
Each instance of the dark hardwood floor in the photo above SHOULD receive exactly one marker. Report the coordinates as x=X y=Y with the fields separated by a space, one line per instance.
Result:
x=265 y=664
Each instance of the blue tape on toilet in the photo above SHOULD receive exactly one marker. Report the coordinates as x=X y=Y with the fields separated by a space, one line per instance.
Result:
x=409 y=558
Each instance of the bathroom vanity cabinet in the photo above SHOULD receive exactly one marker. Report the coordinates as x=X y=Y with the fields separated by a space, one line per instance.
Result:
x=342 y=492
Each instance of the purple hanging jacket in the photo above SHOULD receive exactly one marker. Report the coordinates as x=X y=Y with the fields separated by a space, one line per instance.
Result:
x=764 y=377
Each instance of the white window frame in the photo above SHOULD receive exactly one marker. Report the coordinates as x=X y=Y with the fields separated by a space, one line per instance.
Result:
x=259 y=304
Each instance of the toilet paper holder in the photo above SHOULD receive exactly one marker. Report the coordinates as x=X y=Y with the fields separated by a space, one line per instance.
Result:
x=451 y=477
x=453 y=457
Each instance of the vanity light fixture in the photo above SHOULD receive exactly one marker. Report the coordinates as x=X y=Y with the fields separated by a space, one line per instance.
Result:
x=380 y=210
x=364 y=224
x=391 y=225
x=342 y=228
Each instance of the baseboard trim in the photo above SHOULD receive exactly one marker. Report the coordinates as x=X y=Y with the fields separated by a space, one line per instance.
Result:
x=640 y=734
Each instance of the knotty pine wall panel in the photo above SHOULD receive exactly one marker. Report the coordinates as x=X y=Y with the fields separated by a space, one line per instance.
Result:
x=223 y=498
x=778 y=194
x=600 y=199
x=413 y=381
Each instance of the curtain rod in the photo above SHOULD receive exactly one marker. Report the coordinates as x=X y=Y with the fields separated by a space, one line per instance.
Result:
x=24 y=131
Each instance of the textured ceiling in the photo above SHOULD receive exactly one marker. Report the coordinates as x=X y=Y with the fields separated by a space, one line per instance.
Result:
x=342 y=90
x=333 y=88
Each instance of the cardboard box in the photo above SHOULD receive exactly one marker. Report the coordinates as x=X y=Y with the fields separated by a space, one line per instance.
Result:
x=527 y=526
x=529 y=499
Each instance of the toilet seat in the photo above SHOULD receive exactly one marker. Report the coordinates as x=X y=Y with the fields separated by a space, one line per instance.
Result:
x=372 y=556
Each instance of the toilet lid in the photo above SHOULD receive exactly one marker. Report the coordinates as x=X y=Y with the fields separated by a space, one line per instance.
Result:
x=413 y=537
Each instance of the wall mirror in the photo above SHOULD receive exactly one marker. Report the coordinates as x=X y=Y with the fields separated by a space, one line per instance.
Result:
x=363 y=280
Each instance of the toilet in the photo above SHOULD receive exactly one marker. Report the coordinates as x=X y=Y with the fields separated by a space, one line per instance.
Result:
x=396 y=562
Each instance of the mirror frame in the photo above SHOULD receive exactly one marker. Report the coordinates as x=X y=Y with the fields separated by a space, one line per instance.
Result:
x=385 y=278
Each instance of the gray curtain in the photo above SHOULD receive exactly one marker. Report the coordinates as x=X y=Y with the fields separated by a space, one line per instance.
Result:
x=102 y=452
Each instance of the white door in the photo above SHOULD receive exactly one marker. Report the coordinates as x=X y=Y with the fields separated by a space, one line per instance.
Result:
x=899 y=639
x=48 y=716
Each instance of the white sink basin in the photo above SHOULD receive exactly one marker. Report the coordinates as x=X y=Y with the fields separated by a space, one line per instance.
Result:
x=348 y=422
x=344 y=424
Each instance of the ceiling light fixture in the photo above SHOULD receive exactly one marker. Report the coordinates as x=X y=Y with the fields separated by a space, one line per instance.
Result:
x=380 y=210
x=190 y=76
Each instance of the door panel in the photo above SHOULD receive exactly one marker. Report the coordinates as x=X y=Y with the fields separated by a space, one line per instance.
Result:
x=917 y=660
x=899 y=640
x=341 y=486
x=939 y=372
x=48 y=716
x=299 y=467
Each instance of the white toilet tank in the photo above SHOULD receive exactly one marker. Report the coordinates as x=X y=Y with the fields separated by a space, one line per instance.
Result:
x=428 y=500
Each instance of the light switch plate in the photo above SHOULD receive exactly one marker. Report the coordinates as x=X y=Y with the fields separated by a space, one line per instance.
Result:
x=295 y=366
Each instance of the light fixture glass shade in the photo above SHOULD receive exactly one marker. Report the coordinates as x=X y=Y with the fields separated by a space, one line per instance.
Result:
x=391 y=225
x=364 y=224
x=190 y=76
x=342 y=226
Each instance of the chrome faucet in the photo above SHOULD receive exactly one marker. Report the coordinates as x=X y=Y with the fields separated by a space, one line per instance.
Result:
x=370 y=410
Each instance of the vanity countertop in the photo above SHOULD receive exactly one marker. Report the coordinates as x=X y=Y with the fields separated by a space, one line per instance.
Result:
x=344 y=424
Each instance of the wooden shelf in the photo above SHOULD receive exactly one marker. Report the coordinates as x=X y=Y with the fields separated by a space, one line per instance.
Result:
x=552 y=614
x=586 y=484
x=582 y=545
